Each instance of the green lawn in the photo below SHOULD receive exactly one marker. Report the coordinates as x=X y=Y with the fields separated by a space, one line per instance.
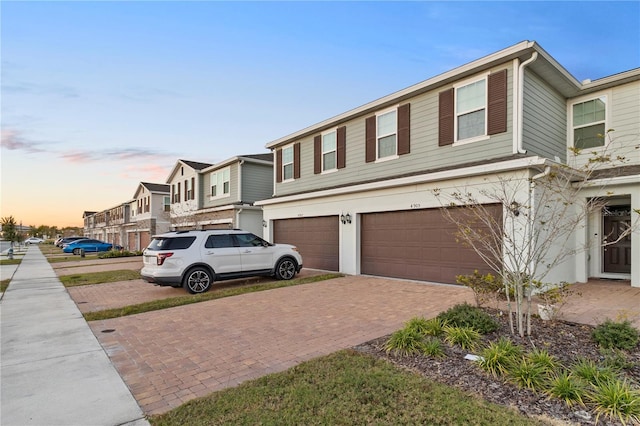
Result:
x=345 y=388
x=195 y=298
x=99 y=277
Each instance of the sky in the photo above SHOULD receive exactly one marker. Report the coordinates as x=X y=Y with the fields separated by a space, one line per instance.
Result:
x=97 y=97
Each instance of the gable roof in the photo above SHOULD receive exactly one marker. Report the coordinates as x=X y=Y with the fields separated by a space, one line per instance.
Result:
x=195 y=165
x=266 y=159
x=544 y=65
x=152 y=187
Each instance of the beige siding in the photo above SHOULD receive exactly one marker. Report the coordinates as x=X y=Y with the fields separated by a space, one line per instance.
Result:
x=625 y=120
x=233 y=189
x=544 y=119
x=425 y=153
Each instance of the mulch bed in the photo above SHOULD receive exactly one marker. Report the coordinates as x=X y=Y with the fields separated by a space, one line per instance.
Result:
x=565 y=340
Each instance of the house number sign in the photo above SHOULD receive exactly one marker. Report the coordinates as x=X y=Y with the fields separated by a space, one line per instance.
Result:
x=616 y=211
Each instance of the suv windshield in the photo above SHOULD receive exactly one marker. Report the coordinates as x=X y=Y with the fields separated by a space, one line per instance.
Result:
x=171 y=243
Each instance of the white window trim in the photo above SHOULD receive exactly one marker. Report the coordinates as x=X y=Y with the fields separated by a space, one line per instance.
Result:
x=459 y=85
x=607 y=117
x=378 y=114
x=323 y=152
x=293 y=161
x=220 y=195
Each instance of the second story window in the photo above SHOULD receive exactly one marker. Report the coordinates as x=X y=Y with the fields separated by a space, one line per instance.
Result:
x=329 y=151
x=471 y=101
x=220 y=183
x=589 y=123
x=287 y=163
x=387 y=124
x=167 y=203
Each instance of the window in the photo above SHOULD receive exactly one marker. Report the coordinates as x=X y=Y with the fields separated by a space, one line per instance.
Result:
x=386 y=134
x=329 y=151
x=589 y=123
x=287 y=163
x=220 y=185
x=219 y=241
x=249 y=240
x=471 y=101
x=167 y=204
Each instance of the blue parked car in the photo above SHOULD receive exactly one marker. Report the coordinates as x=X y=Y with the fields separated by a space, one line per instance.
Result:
x=88 y=245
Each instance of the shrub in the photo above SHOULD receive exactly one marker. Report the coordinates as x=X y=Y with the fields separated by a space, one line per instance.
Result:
x=465 y=315
x=616 y=400
x=465 y=337
x=587 y=370
x=498 y=356
x=118 y=253
x=435 y=327
x=544 y=359
x=616 y=359
x=566 y=387
x=405 y=341
x=418 y=324
x=618 y=335
x=484 y=287
x=433 y=347
x=527 y=374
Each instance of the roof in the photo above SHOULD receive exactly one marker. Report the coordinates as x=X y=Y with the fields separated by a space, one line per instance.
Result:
x=266 y=159
x=195 y=164
x=156 y=187
x=544 y=66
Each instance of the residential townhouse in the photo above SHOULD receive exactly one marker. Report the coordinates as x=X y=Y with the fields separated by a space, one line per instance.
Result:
x=132 y=223
x=356 y=192
x=222 y=195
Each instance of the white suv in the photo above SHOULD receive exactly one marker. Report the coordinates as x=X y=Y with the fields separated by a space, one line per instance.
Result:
x=195 y=259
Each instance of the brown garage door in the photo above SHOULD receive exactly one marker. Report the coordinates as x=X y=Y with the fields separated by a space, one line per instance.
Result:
x=416 y=244
x=145 y=239
x=316 y=238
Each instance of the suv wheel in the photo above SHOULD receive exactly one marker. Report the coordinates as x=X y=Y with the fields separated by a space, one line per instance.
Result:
x=198 y=280
x=286 y=269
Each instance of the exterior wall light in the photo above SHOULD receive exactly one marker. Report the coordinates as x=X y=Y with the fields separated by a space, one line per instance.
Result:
x=345 y=218
x=264 y=223
x=515 y=208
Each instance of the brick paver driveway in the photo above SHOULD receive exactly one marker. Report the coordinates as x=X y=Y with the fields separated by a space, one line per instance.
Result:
x=171 y=356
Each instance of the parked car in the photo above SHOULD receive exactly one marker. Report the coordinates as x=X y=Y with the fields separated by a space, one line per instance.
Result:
x=89 y=245
x=33 y=240
x=195 y=259
x=60 y=242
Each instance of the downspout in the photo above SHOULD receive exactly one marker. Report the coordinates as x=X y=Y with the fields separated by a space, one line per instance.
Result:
x=518 y=126
x=240 y=163
x=237 y=224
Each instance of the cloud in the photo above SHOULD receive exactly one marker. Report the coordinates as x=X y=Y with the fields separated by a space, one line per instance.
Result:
x=12 y=140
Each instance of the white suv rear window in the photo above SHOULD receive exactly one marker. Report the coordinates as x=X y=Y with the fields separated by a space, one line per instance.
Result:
x=173 y=243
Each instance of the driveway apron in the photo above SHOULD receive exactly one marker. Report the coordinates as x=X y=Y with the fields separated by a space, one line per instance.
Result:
x=171 y=356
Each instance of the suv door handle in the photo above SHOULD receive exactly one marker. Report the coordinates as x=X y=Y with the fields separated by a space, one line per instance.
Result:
x=247 y=251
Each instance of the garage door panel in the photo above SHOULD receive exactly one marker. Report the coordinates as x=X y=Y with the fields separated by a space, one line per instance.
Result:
x=416 y=244
x=317 y=240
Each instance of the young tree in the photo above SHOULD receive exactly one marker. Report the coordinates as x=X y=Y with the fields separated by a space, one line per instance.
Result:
x=9 y=229
x=542 y=213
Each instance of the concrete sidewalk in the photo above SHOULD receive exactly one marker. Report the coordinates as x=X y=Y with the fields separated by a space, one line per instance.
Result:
x=54 y=371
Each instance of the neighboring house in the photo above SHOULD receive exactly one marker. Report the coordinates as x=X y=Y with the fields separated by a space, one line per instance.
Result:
x=149 y=214
x=355 y=192
x=222 y=195
x=132 y=223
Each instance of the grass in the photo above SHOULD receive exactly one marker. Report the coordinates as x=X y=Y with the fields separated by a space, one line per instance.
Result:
x=4 y=284
x=99 y=277
x=13 y=261
x=196 y=298
x=343 y=388
x=70 y=257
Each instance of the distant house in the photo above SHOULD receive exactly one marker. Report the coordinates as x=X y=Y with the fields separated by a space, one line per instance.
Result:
x=355 y=192
x=131 y=223
x=222 y=195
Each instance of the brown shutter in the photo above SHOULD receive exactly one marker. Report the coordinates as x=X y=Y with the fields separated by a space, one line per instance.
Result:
x=317 y=154
x=404 y=137
x=341 y=145
x=278 y=165
x=497 y=103
x=445 y=118
x=296 y=160
x=193 y=188
x=370 y=139
x=186 y=190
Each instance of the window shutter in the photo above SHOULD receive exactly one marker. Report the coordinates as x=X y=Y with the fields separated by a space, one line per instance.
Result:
x=341 y=146
x=370 y=139
x=445 y=118
x=497 y=103
x=317 y=154
x=296 y=160
x=278 y=165
x=186 y=190
x=404 y=136
x=193 y=188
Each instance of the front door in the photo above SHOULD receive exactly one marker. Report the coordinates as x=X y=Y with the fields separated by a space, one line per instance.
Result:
x=617 y=256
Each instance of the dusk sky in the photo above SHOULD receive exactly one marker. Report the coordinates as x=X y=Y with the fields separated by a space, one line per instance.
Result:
x=99 y=96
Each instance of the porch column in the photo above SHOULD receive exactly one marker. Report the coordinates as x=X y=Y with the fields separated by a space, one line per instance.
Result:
x=635 y=236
